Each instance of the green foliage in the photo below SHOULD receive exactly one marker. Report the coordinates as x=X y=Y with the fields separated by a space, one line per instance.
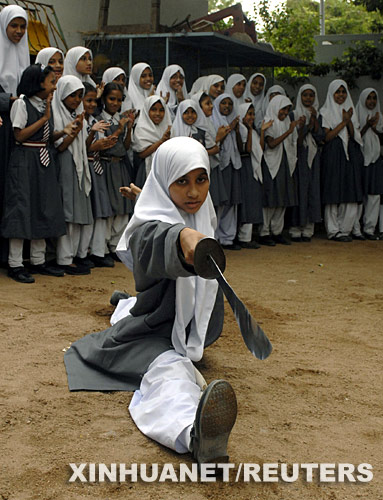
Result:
x=215 y=5
x=371 y=5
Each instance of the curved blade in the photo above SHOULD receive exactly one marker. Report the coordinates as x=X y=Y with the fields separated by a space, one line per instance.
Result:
x=253 y=335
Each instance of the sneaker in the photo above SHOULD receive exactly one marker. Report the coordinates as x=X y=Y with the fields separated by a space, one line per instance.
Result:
x=75 y=270
x=215 y=417
x=117 y=296
x=46 y=270
x=233 y=246
x=280 y=239
x=102 y=261
x=84 y=262
x=20 y=274
x=267 y=240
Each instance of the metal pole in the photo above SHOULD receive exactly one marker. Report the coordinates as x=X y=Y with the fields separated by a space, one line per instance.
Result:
x=321 y=17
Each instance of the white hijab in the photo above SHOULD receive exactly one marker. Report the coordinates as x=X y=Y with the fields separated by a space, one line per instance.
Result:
x=197 y=85
x=231 y=82
x=179 y=127
x=331 y=113
x=44 y=55
x=108 y=76
x=273 y=156
x=136 y=93
x=146 y=132
x=209 y=81
x=256 y=150
x=206 y=124
x=14 y=57
x=300 y=110
x=71 y=59
x=195 y=296
x=66 y=85
x=229 y=149
x=257 y=100
x=164 y=85
x=371 y=143
x=271 y=90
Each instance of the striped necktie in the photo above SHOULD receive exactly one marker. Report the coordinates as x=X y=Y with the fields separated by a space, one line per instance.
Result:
x=44 y=153
x=97 y=167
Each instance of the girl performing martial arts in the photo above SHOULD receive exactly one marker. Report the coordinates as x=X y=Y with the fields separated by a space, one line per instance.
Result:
x=173 y=317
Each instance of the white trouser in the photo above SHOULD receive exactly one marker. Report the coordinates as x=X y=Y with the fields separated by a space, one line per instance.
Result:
x=226 y=224
x=164 y=407
x=371 y=213
x=74 y=243
x=298 y=231
x=356 y=229
x=116 y=226
x=339 y=219
x=273 y=221
x=97 y=243
x=15 y=255
x=245 y=232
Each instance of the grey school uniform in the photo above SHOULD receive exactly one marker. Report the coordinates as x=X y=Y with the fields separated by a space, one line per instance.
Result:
x=250 y=210
x=280 y=191
x=117 y=358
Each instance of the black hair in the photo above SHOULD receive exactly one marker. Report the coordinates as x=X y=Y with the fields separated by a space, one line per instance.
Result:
x=109 y=87
x=32 y=79
x=89 y=88
x=203 y=97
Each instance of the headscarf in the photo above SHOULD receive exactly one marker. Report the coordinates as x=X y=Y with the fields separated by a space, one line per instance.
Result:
x=136 y=93
x=197 y=85
x=229 y=149
x=66 y=85
x=180 y=128
x=301 y=110
x=14 y=57
x=209 y=81
x=231 y=82
x=332 y=115
x=164 y=85
x=195 y=296
x=111 y=74
x=44 y=55
x=271 y=90
x=257 y=100
x=207 y=125
x=71 y=59
x=273 y=156
x=145 y=132
x=371 y=142
x=256 y=150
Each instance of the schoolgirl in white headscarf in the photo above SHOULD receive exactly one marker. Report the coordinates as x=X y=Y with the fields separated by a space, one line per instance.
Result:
x=271 y=92
x=213 y=86
x=138 y=94
x=197 y=85
x=180 y=127
x=232 y=81
x=14 y=57
x=146 y=132
x=371 y=122
x=256 y=98
x=48 y=57
x=71 y=60
x=110 y=75
x=164 y=87
x=229 y=148
x=342 y=162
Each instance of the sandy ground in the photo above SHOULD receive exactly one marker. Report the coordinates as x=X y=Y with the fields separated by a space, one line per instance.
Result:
x=317 y=398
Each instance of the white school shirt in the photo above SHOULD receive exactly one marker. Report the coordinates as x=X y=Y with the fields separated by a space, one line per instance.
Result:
x=19 y=114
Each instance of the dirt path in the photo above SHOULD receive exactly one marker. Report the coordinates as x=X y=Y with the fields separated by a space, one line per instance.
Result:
x=318 y=398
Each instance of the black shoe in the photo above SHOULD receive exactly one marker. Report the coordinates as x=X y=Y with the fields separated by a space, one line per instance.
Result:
x=115 y=256
x=280 y=239
x=117 y=296
x=46 y=270
x=342 y=239
x=20 y=274
x=372 y=237
x=215 y=417
x=249 y=244
x=267 y=240
x=358 y=237
x=102 y=261
x=233 y=246
x=84 y=262
x=306 y=239
x=296 y=239
x=75 y=270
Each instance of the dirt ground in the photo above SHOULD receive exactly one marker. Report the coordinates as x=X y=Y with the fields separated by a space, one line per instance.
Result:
x=316 y=399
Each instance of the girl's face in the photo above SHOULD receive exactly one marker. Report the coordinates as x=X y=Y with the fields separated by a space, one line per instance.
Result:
x=48 y=86
x=371 y=100
x=273 y=94
x=207 y=106
x=250 y=116
x=90 y=102
x=113 y=101
x=146 y=79
x=57 y=63
x=239 y=88
x=85 y=64
x=217 y=89
x=340 y=95
x=226 y=106
x=73 y=101
x=16 y=29
x=283 y=113
x=189 y=116
x=120 y=79
x=176 y=81
x=308 y=98
x=190 y=191
x=157 y=113
x=256 y=85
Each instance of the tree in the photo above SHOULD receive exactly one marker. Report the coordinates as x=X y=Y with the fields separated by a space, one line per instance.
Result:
x=371 y=5
x=215 y=5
